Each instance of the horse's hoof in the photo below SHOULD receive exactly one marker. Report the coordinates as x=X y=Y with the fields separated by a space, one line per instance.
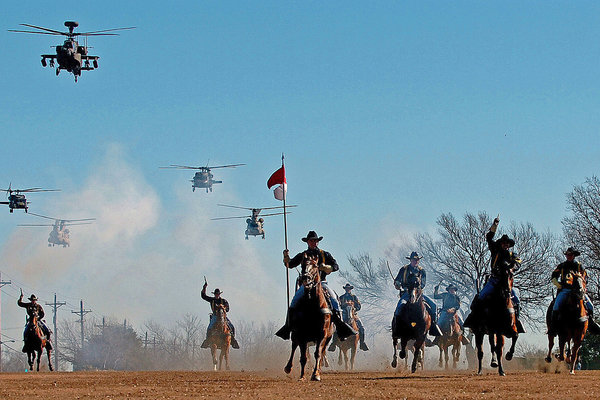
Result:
x=402 y=354
x=480 y=372
x=394 y=363
x=316 y=378
x=501 y=373
x=50 y=367
x=509 y=356
x=413 y=369
x=548 y=359
x=572 y=372
x=287 y=369
x=494 y=364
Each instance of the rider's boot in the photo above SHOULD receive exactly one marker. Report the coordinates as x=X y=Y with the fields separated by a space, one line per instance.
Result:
x=285 y=330
x=343 y=329
x=205 y=344
x=434 y=329
x=333 y=344
x=471 y=320
x=552 y=331
x=234 y=343
x=48 y=342
x=463 y=339
x=520 y=328
x=361 y=337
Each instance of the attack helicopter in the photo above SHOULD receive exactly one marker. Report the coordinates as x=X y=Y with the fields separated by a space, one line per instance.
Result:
x=60 y=234
x=254 y=223
x=71 y=56
x=16 y=200
x=203 y=178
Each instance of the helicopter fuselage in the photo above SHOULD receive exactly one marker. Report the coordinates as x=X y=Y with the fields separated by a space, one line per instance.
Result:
x=255 y=227
x=17 y=201
x=204 y=180
x=71 y=57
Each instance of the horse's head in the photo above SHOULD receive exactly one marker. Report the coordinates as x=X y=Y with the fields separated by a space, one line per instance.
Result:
x=414 y=287
x=348 y=311
x=505 y=274
x=578 y=286
x=310 y=277
x=220 y=312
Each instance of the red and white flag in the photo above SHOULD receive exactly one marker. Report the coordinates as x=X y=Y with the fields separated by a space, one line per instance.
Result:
x=278 y=178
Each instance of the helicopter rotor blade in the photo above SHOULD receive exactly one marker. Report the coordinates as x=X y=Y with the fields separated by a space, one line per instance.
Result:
x=173 y=166
x=42 y=216
x=225 y=166
x=241 y=208
x=45 y=29
x=280 y=213
x=274 y=208
x=108 y=30
x=35 y=225
x=39 y=33
x=35 y=190
x=245 y=216
x=95 y=34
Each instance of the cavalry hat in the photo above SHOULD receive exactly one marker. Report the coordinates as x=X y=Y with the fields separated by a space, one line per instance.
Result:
x=312 y=235
x=217 y=291
x=414 y=255
x=451 y=286
x=32 y=297
x=347 y=286
x=506 y=239
x=571 y=250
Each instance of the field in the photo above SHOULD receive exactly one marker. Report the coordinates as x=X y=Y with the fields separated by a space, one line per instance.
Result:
x=275 y=385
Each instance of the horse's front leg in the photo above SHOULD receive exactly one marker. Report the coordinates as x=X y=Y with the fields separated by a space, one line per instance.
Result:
x=403 y=343
x=30 y=360
x=441 y=360
x=319 y=350
x=39 y=358
x=446 y=355
x=479 y=345
x=288 y=367
x=50 y=367
x=213 y=351
x=499 y=350
x=550 y=347
x=352 y=356
x=395 y=357
x=303 y=358
x=417 y=353
x=575 y=353
x=511 y=351
x=561 y=348
x=492 y=340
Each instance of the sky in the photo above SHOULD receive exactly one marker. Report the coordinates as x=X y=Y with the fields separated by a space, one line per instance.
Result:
x=388 y=113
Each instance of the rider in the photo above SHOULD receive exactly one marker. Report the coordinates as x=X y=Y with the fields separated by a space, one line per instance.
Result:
x=33 y=308
x=214 y=303
x=327 y=265
x=346 y=297
x=451 y=306
x=501 y=257
x=401 y=283
x=562 y=278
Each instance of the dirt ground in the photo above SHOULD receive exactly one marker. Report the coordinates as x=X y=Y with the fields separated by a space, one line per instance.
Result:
x=274 y=385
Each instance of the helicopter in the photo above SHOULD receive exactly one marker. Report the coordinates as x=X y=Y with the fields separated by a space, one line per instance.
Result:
x=71 y=55
x=16 y=200
x=203 y=178
x=254 y=223
x=60 y=233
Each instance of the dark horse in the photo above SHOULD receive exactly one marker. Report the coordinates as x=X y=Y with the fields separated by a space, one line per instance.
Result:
x=351 y=343
x=413 y=323
x=35 y=342
x=220 y=338
x=451 y=336
x=497 y=320
x=310 y=320
x=571 y=324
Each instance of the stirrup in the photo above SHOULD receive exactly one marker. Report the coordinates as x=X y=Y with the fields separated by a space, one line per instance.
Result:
x=234 y=343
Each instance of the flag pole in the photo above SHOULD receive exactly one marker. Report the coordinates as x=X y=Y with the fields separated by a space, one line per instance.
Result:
x=287 y=267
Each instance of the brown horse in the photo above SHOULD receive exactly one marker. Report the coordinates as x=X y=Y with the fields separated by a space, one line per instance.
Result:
x=351 y=343
x=497 y=320
x=451 y=336
x=35 y=342
x=220 y=338
x=310 y=320
x=413 y=323
x=571 y=324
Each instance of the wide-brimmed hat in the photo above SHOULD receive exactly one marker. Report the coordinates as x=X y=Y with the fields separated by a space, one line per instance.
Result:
x=32 y=297
x=414 y=255
x=312 y=235
x=451 y=286
x=571 y=250
x=347 y=286
x=217 y=291
x=506 y=239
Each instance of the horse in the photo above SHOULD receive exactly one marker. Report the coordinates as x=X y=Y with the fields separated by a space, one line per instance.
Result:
x=220 y=338
x=310 y=320
x=451 y=336
x=571 y=324
x=413 y=322
x=351 y=343
x=497 y=321
x=35 y=342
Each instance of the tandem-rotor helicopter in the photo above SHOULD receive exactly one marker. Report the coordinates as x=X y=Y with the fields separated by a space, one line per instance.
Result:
x=255 y=224
x=16 y=200
x=203 y=178
x=71 y=55
x=60 y=233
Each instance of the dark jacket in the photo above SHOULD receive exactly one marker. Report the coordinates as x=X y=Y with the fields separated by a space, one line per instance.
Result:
x=405 y=272
x=324 y=258
x=563 y=273
x=32 y=308
x=214 y=301
x=449 y=300
x=499 y=257
x=350 y=297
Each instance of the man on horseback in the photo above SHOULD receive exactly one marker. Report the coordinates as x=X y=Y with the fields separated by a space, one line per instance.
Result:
x=327 y=265
x=35 y=308
x=347 y=297
x=401 y=283
x=562 y=278
x=450 y=307
x=501 y=258
x=214 y=303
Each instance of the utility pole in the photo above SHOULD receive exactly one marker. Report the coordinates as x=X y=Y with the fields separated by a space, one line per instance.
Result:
x=55 y=306
x=2 y=283
x=81 y=314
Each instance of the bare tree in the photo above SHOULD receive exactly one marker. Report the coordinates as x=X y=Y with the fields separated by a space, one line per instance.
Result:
x=581 y=229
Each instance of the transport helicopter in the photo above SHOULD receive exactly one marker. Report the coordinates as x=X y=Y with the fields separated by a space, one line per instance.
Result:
x=16 y=200
x=203 y=178
x=254 y=221
x=60 y=234
x=71 y=56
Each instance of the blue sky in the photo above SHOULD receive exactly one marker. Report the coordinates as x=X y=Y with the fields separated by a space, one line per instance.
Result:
x=389 y=113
